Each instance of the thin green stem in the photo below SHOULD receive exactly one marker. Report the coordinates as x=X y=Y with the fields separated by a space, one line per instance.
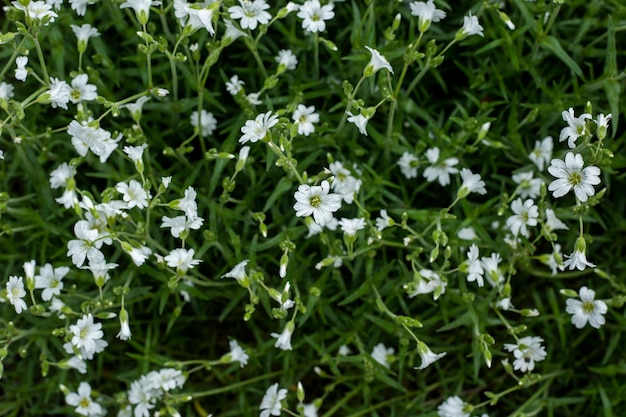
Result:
x=42 y=61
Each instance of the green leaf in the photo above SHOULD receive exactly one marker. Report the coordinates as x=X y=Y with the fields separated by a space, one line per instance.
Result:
x=551 y=44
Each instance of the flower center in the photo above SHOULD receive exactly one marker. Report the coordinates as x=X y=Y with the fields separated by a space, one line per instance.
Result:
x=315 y=201
x=84 y=402
x=84 y=332
x=575 y=178
x=588 y=307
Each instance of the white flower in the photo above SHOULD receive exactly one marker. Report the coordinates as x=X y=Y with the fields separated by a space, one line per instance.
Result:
x=381 y=354
x=314 y=15
x=586 y=310
x=50 y=280
x=180 y=224
x=467 y=233
x=232 y=32
x=408 y=164
x=384 y=221
x=97 y=140
x=86 y=245
x=602 y=124
x=59 y=93
x=475 y=267
x=452 y=407
x=38 y=10
x=85 y=333
x=83 y=33
x=15 y=293
x=343 y=182
x=143 y=396
x=6 y=92
x=136 y=107
x=471 y=26
x=317 y=201
x=529 y=187
x=429 y=282
x=135 y=153
x=124 y=333
x=238 y=272
x=80 y=6
x=253 y=98
x=251 y=13
x=181 y=259
x=440 y=170
x=304 y=117
x=76 y=363
x=167 y=379
x=139 y=255
x=377 y=62
x=205 y=123
x=286 y=59
x=141 y=8
x=351 y=226
x=270 y=404
x=576 y=127
x=81 y=91
x=427 y=355
x=257 y=129
x=542 y=153
x=21 y=72
x=527 y=351
x=133 y=193
x=195 y=16
x=237 y=354
x=471 y=184
x=492 y=268
x=570 y=174
x=526 y=214
x=360 y=121
x=283 y=340
x=553 y=223
x=83 y=402
x=578 y=259
x=234 y=85
x=426 y=13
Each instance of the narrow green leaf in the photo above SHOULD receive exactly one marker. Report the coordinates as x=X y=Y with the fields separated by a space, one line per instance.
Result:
x=551 y=44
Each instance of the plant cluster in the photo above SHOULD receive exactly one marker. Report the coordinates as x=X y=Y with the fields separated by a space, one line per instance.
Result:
x=254 y=207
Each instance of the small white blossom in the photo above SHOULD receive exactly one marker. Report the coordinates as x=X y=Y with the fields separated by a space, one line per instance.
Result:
x=426 y=13
x=283 y=340
x=586 y=310
x=527 y=351
x=542 y=152
x=377 y=62
x=526 y=214
x=133 y=194
x=304 y=117
x=50 y=280
x=205 y=122
x=576 y=127
x=408 y=164
x=83 y=402
x=471 y=26
x=471 y=184
x=475 y=267
x=286 y=59
x=571 y=174
x=16 y=293
x=439 y=170
x=314 y=15
x=237 y=353
x=427 y=355
x=359 y=121
x=270 y=404
x=452 y=407
x=21 y=72
x=351 y=226
x=317 y=201
x=251 y=13
x=182 y=260
x=257 y=129
x=381 y=354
